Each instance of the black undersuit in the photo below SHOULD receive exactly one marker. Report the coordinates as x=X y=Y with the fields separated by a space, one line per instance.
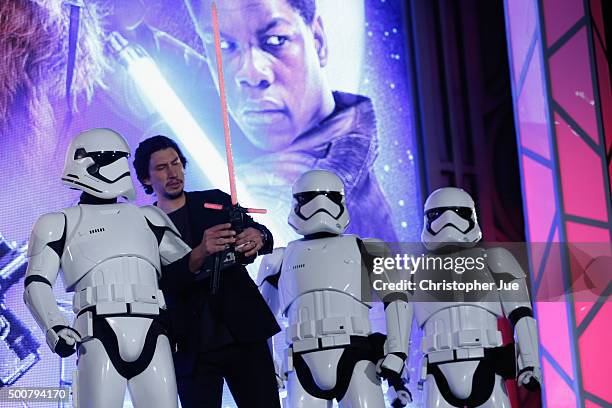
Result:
x=107 y=336
x=361 y=348
x=498 y=360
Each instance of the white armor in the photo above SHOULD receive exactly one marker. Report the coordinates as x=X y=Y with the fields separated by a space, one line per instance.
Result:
x=461 y=334
x=318 y=284
x=96 y=162
x=111 y=257
x=450 y=216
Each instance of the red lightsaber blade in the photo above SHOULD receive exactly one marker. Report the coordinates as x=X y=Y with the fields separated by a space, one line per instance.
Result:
x=236 y=213
x=226 y=127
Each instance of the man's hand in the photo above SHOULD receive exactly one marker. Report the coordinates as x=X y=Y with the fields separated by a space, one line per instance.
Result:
x=214 y=240
x=249 y=241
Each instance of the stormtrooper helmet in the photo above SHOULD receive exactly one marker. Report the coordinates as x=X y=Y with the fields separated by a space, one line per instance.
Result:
x=450 y=219
x=97 y=163
x=318 y=204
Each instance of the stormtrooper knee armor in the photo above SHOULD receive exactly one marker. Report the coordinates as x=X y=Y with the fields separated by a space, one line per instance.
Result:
x=111 y=256
x=316 y=282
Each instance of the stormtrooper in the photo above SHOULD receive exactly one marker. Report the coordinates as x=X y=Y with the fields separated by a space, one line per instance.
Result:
x=464 y=361
x=111 y=255
x=317 y=284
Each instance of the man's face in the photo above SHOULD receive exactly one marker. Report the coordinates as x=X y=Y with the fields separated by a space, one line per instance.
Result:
x=166 y=175
x=272 y=64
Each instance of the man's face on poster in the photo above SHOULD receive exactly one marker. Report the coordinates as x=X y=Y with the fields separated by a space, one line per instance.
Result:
x=272 y=65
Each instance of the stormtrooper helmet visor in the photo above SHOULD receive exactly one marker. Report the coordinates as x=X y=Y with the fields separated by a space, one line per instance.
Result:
x=102 y=167
x=309 y=203
x=100 y=158
x=462 y=219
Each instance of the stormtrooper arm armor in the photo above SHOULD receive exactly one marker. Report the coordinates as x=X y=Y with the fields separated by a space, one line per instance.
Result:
x=267 y=281
x=517 y=308
x=174 y=253
x=398 y=317
x=171 y=246
x=398 y=314
x=44 y=251
x=267 y=278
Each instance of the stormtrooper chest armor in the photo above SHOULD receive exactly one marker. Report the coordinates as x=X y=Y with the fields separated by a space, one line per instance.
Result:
x=459 y=320
x=98 y=233
x=332 y=263
x=320 y=289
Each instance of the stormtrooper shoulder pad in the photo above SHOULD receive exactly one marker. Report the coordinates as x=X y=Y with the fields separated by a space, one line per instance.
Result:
x=501 y=261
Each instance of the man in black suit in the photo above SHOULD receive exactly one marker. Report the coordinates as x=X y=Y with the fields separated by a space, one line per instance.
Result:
x=215 y=336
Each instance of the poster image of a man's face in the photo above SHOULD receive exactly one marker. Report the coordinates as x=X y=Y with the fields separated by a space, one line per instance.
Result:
x=273 y=54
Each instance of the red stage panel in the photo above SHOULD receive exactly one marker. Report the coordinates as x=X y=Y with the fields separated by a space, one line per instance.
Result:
x=571 y=85
x=559 y=394
x=552 y=283
x=597 y=14
x=554 y=333
x=581 y=176
x=538 y=180
x=560 y=16
x=596 y=361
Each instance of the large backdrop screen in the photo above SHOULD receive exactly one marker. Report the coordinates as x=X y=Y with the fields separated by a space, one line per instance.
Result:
x=148 y=70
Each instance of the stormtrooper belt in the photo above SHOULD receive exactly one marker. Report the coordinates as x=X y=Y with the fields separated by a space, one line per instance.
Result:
x=462 y=339
x=455 y=355
x=340 y=328
x=504 y=358
x=330 y=342
x=115 y=299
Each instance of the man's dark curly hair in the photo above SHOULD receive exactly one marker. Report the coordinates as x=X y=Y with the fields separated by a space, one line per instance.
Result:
x=142 y=157
x=306 y=8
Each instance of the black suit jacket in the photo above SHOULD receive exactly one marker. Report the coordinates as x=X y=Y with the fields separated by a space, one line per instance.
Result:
x=238 y=304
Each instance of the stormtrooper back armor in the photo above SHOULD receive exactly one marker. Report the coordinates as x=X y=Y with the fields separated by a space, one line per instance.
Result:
x=318 y=284
x=111 y=257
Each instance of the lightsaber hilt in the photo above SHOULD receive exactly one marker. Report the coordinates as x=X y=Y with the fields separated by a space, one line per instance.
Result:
x=228 y=257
